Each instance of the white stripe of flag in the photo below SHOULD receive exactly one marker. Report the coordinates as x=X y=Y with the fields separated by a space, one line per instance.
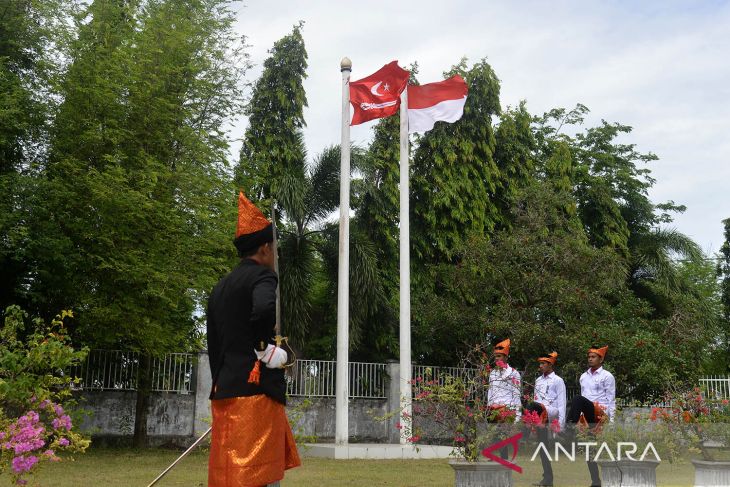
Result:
x=436 y=102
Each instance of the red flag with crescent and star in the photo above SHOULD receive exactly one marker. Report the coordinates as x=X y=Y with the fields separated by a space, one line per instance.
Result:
x=378 y=95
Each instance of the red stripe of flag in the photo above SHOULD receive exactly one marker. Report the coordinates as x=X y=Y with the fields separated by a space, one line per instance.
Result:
x=425 y=96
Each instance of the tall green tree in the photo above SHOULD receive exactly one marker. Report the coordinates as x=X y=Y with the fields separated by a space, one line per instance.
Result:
x=134 y=225
x=272 y=145
x=84 y=139
x=610 y=183
x=514 y=155
x=32 y=35
x=455 y=175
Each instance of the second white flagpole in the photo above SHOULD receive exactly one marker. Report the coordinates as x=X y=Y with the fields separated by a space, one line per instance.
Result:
x=405 y=267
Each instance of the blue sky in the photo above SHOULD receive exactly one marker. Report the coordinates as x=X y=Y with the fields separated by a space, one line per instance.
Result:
x=660 y=67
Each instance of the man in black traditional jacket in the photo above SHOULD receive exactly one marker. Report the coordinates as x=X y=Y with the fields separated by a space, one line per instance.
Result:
x=252 y=443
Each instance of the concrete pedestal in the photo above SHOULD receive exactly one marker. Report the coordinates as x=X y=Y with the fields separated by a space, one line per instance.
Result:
x=628 y=473
x=711 y=474
x=481 y=474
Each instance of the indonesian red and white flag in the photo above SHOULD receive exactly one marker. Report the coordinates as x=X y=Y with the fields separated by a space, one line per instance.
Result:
x=436 y=102
x=378 y=95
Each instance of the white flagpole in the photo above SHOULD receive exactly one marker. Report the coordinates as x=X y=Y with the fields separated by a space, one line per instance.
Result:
x=343 y=270
x=405 y=267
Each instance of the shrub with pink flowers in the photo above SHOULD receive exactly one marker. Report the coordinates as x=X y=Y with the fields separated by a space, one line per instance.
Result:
x=455 y=406
x=34 y=425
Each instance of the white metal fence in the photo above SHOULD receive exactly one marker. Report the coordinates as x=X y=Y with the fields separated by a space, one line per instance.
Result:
x=119 y=370
x=716 y=387
x=316 y=378
x=174 y=372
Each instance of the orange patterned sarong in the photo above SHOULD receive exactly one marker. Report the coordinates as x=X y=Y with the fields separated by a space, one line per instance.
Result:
x=251 y=444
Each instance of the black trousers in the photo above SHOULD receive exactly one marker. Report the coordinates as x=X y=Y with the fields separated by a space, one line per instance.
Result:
x=582 y=405
x=544 y=438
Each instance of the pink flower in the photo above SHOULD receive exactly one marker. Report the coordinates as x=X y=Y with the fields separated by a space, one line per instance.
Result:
x=506 y=413
x=62 y=422
x=23 y=464
x=531 y=418
x=555 y=426
x=397 y=425
x=65 y=442
x=500 y=364
x=515 y=381
x=414 y=439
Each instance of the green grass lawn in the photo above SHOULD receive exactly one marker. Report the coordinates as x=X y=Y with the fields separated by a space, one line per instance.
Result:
x=129 y=468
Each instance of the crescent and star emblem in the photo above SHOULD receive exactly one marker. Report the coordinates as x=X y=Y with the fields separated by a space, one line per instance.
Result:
x=374 y=89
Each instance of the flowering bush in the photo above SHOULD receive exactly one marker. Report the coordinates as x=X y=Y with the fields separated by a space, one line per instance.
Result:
x=698 y=423
x=455 y=407
x=38 y=435
x=707 y=420
x=34 y=426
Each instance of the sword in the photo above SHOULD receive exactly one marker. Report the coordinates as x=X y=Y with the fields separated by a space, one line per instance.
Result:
x=277 y=326
x=185 y=453
x=280 y=340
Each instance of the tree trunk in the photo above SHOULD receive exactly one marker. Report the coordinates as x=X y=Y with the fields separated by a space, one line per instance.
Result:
x=144 y=383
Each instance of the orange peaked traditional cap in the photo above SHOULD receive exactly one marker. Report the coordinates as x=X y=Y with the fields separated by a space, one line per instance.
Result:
x=600 y=351
x=250 y=218
x=503 y=347
x=551 y=357
x=253 y=229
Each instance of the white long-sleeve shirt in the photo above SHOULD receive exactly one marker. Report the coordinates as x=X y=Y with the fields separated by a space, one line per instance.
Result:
x=504 y=389
x=600 y=386
x=550 y=392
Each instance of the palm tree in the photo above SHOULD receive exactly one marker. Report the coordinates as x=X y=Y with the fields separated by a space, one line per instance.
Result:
x=308 y=198
x=653 y=272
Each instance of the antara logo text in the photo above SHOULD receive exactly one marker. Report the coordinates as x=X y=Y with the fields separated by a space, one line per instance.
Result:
x=626 y=450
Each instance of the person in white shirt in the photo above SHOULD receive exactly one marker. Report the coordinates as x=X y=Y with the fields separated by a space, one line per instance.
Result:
x=597 y=400
x=503 y=395
x=549 y=402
